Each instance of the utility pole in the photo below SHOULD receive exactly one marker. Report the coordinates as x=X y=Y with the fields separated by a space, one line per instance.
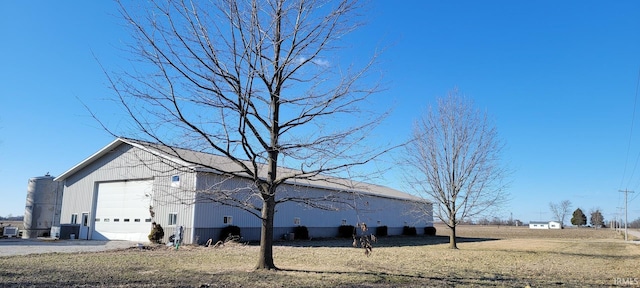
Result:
x=626 y=192
x=511 y=219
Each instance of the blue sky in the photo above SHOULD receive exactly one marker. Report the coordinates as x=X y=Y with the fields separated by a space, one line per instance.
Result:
x=559 y=78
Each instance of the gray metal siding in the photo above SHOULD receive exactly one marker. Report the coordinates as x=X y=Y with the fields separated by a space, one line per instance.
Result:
x=354 y=208
x=210 y=214
x=80 y=188
x=179 y=200
x=125 y=163
x=203 y=219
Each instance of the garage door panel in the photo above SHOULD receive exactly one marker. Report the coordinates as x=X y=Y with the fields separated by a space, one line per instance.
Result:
x=122 y=211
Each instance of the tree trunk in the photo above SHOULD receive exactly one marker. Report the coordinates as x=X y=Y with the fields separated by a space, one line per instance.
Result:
x=452 y=237
x=265 y=258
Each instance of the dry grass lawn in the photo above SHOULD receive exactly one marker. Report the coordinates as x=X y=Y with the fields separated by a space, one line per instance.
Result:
x=488 y=256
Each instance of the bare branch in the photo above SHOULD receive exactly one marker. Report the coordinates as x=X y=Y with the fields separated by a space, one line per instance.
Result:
x=560 y=210
x=242 y=79
x=454 y=160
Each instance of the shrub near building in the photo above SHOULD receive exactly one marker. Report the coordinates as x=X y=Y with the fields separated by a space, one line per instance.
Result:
x=409 y=231
x=301 y=233
x=346 y=231
x=230 y=231
x=382 y=231
x=430 y=231
x=157 y=233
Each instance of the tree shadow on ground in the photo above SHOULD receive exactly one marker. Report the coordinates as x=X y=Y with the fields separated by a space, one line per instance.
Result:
x=387 y=241
x=50 y=242
x=401 y=279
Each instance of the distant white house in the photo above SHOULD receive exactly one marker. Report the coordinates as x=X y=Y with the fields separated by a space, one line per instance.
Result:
x=555 y=225
x=545 y=225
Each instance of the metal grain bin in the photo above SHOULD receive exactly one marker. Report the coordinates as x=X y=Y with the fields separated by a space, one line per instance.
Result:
x=42 y=209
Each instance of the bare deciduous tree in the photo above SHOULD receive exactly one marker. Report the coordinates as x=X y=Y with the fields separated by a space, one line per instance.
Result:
x=454 y=159
x=596 y=219
x=253 y=81
x=560 y=210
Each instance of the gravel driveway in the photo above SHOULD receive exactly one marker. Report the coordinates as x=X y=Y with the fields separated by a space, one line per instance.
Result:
x=13 y=246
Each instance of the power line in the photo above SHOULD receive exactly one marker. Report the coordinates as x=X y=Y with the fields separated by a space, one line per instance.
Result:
x=634 y=197
x=626 y=192
x=633 y=118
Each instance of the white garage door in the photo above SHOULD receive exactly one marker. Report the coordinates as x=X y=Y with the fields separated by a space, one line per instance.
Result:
x=122 y=211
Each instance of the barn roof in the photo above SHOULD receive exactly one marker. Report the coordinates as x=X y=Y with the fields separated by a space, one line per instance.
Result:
x=207 y=162
x=538 y=222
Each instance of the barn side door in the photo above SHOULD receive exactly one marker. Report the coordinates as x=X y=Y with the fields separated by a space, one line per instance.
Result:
x=84 y=226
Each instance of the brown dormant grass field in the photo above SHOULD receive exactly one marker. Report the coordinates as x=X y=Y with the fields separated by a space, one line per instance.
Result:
x=488 y=256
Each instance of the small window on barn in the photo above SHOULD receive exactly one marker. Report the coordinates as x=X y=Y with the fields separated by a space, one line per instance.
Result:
x=116 y=219
x=74 y=218
x=173 y=219
x=296 y=220
x=126 y=219
x=175 y=181
x=344 y=222
x=106 y=219
x=136 y=220
x=97 y=219
x=148 y=220
x=227 y=220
